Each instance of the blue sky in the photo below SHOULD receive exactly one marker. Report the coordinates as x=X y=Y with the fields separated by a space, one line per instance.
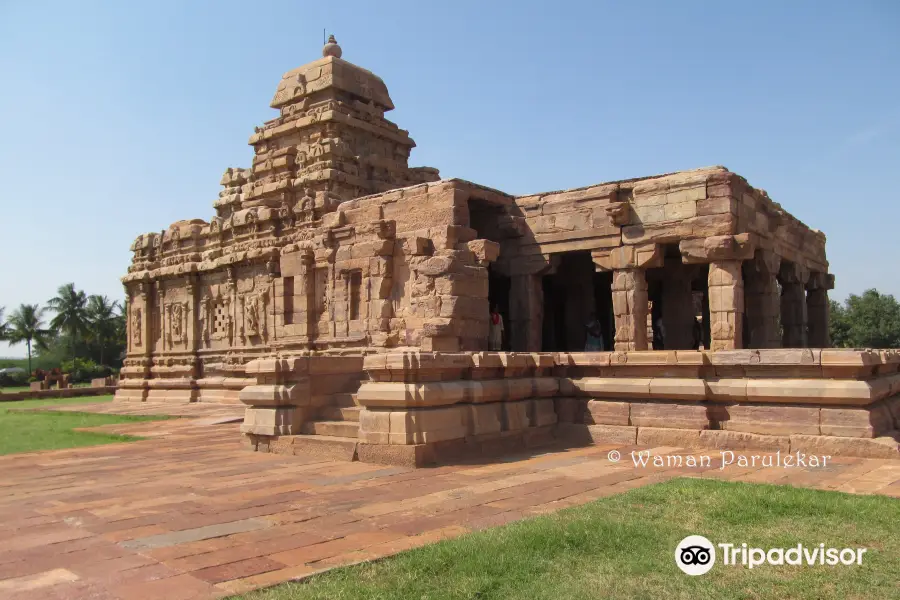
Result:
x=118 y=118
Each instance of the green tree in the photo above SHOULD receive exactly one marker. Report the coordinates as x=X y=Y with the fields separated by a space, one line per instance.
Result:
x=102 y=318
x=4 y=326
x=70 y=306
x=27 y=325
x=871 y=320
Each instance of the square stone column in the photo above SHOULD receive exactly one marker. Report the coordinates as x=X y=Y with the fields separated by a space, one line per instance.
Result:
x=526 y=313
x=677 y=307
x=762 y=301
x=793 y=305
x=629 y=290
x=818 y=309
x=726 y=305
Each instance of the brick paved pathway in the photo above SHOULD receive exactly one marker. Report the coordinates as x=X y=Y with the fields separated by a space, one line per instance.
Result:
x=188 y=513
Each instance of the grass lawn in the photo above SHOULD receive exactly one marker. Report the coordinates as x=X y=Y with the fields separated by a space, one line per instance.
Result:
x=624 y=547
x=27 y=432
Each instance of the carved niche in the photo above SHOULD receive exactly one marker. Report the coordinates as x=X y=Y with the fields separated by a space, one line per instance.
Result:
x=255 y=313
x=176 y=313
x=136 y=326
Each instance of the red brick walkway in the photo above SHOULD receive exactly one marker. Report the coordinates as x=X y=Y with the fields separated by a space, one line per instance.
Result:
x=189 y=513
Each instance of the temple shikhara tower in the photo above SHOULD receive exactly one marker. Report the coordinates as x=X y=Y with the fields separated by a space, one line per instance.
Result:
x=346 y=298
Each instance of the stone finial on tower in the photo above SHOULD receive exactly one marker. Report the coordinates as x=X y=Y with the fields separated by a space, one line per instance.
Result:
x=331 y=48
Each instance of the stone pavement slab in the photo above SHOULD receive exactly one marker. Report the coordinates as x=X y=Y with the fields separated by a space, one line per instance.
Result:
x=189 y=513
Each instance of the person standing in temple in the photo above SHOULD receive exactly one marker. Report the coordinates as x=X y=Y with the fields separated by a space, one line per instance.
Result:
x=495 y=338
x=698 y=333
x=594 y=337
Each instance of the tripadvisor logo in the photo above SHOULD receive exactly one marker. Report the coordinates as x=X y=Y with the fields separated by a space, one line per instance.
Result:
x=696 y=555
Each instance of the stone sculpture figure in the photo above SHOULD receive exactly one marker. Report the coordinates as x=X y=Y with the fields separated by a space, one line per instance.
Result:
x=177 y=322
x=136 y=326
x=251 y=312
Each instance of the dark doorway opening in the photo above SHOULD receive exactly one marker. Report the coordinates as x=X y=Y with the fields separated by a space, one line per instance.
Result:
x=679 y=303
x=574 y=295
x=498 y=298
x=604 y=308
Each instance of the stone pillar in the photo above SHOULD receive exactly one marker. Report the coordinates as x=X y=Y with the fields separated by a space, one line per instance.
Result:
x=762 y=301
x=677 y=307
x=526 y=313
x=793 y=305
x=817 y=310
x=726 y=305
x=630 y=308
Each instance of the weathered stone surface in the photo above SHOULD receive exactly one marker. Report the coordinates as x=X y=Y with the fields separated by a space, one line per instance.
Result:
x=669 y=414
x=329 y=247
x=738 y=440
x=607 y=412
x=773 y=420
x=661 y=436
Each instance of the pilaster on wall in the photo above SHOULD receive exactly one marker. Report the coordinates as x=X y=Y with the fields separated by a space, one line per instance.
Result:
x=817 y=309
x=726 y=304
x=629 y=291
x=793 y=305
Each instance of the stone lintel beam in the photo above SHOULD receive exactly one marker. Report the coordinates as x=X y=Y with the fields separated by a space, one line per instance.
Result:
x=534 y=264
x=646 y=256
x=720 y=247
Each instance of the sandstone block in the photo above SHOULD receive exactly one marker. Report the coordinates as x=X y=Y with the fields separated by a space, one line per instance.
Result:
x=826 y=391
x=669 y=414
x=614 y=387
x=541 y=412
x=419 y=455
x=427 y=425
x=660 y=436
x=515 y=415
x=484 y=250
x=773 y=420
x=672 y=388
x=612 y=434
x=737 y=440
x=607 y=412
x=484 y=419
x=569 y=410
x=545 y=386
x=856 y=422
x=882 y=447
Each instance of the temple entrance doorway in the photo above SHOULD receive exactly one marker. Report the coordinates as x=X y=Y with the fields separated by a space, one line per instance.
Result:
x=575 y=295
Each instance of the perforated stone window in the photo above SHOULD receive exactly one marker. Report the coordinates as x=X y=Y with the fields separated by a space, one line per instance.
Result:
x=220 y=319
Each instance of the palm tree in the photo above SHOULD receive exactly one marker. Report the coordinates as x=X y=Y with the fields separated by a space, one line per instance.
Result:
x=26 y=325
x=102 y=318
x=70 y=306
x=4 y=326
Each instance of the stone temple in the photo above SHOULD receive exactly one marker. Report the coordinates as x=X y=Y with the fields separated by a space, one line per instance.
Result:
x=346 y=298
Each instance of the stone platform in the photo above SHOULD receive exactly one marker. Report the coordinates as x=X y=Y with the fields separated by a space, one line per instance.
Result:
x=420 y=408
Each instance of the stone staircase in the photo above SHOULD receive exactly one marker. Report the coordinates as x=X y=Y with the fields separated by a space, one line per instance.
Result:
x=334 y=430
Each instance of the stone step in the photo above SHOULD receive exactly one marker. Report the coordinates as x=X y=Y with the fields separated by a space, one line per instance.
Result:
x=340 y=413
x=345 y=429
x=343 y=400
x=324 y=447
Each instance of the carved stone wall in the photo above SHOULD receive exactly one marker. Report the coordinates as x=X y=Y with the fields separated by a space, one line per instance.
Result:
x=329 y=242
